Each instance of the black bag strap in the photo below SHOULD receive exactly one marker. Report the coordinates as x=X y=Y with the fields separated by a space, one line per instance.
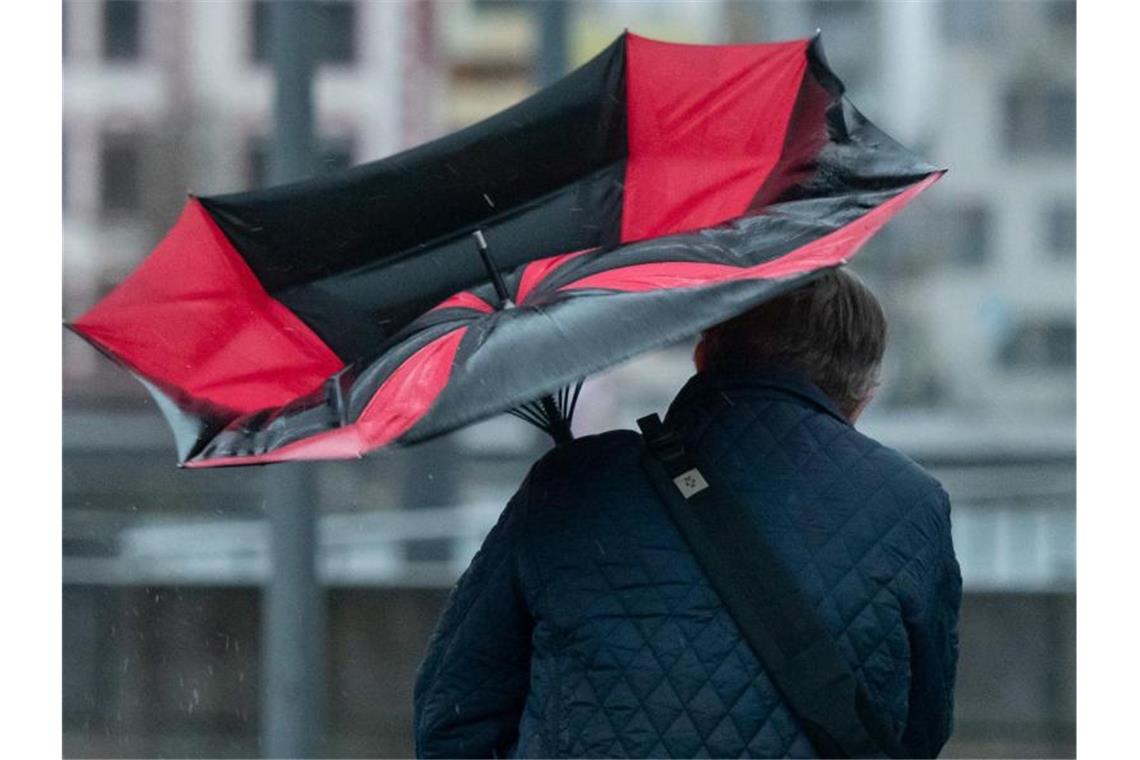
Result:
x=798 y=652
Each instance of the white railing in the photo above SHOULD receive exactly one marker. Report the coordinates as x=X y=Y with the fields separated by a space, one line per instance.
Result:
x=1005 y=540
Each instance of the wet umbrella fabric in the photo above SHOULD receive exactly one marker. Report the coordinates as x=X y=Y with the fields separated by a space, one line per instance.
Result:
x=657 y=190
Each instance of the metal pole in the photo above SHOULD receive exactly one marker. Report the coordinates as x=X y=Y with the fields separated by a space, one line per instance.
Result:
x=553 y=57
x=293 y=620
x=293 y=602
x=293 y=154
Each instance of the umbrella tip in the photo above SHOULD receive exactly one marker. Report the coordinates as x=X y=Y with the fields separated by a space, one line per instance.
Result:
x=480 y=240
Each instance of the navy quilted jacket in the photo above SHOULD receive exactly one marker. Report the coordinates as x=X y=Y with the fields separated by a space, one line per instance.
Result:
x=585 y=628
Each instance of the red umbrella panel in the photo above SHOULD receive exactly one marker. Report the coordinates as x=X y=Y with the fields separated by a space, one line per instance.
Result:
x=653 y=192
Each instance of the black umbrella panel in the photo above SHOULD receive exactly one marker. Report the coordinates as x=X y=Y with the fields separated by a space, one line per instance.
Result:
x=655 y=191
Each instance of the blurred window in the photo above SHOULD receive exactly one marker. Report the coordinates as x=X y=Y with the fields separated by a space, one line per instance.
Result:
x=911 y=379
x=1060 y=225
x=953 y=234
x=500 y=5
x=336 y=153
x=259 y=31
x=1041 y=118
x=1062 y=14
x=121 y=37
x=120 y=186
x=334 y=24
x=849 y=30
x=969 y=21
x=967 y=230
x=338 y=31
x=1041 y=344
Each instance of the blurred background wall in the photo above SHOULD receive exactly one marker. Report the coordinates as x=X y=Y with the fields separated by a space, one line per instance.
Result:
x=163 y=568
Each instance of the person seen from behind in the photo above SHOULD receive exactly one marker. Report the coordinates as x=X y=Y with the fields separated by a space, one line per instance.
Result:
x=585 y=627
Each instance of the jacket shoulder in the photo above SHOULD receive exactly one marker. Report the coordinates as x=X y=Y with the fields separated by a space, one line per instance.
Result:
x=907 y=466
x=586 y=469
x=910 y=480
x=592 y=453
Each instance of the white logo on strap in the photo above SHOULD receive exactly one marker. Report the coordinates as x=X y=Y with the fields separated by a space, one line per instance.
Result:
x=690 y=483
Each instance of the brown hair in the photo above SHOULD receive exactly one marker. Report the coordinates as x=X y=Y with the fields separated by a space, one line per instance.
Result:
x=833 y=329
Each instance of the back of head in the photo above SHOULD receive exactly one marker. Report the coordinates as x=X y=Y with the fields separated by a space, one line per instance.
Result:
x=833 y=329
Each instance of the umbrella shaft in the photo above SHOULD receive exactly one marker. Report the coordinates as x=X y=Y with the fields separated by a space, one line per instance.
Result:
x=489 y=264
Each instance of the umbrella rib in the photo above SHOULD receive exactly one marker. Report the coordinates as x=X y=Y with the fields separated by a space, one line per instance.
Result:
x=553 y=412
x=539 y=411
x=527 y=418
x=534 y=409
x=528 y=412
x=574 y=399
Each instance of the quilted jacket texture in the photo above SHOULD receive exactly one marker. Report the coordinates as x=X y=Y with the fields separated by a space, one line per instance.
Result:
x=584 y=626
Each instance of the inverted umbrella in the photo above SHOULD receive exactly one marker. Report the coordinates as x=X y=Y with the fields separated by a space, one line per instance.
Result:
x=655 y=191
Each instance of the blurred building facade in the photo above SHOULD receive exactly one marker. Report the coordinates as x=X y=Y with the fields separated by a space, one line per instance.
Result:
x=162 y=567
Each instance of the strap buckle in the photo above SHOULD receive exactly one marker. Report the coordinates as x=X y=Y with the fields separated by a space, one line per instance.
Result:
x=667 y=447
x=661 y=440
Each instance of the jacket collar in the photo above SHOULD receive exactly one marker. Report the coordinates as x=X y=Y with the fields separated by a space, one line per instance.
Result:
x=775 y=378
